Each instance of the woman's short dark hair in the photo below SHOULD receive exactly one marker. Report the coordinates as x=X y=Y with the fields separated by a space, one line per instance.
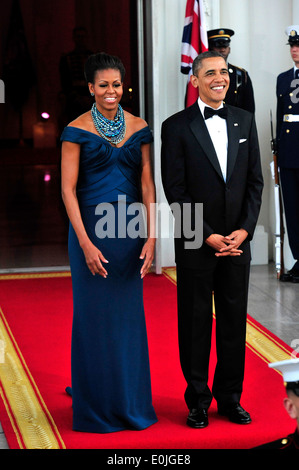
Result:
x=102 y=61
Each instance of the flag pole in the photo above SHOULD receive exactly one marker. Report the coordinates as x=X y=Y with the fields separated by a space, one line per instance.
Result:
x=279 y=226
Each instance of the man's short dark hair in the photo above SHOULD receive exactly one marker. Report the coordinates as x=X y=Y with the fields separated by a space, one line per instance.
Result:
x=197 y=63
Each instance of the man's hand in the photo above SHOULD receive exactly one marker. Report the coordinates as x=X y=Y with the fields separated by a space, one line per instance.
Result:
x=227 y=245
x=238 y=236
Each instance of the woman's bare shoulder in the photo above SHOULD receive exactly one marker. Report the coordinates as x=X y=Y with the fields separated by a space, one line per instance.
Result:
x=134 y=123
x=84 y=121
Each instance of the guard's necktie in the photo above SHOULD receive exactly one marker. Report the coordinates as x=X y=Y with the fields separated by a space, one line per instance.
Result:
x=209 y=112
x=297 y=73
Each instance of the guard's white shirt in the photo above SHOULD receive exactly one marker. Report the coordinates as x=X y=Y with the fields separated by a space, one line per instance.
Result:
x=218 y=132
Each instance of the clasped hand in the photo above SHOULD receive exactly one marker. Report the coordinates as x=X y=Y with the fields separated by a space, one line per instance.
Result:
x=227 y=245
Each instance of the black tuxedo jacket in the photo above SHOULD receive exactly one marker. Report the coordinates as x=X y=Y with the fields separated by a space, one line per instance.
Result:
x=191 y=174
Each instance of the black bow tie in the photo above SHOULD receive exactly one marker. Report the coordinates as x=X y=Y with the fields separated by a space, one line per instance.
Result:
x=209 y=112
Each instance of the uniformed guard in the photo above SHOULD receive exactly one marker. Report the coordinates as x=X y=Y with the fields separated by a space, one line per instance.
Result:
x=287 y=137
x=240 y=92
x=290 y=373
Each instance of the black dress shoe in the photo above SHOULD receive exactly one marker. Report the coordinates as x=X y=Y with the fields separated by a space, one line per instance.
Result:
x=198 y=418
x=291 y=276
x=235 y=413
x=294 y=275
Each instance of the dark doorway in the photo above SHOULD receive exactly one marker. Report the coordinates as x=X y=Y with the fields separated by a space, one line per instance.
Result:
x=37 y=35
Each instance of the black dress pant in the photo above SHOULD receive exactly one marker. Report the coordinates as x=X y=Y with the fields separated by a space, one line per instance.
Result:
x=290 y=189
x=229 y=282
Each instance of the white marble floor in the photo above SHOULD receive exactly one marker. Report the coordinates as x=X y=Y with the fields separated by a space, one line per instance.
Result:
x=3 y=441
x=274 y=304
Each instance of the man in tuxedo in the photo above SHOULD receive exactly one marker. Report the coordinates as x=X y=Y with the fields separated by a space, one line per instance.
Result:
x=287 y=136
x=216 y=162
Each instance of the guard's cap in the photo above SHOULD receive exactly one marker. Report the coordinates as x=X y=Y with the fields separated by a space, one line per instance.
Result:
x=220 y=37
x=290 y=373
x=293 y=34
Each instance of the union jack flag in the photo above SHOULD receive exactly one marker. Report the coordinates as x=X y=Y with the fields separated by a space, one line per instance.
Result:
x=194 y=41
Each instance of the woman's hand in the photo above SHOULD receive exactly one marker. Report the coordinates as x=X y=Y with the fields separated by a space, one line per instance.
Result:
x=147 y=254
x=94 y=259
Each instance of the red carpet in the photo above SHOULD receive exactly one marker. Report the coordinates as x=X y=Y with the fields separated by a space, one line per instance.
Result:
x=35 y=411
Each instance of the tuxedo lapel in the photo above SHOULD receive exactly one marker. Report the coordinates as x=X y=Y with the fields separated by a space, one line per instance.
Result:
x=233 y=134
x=200 y=131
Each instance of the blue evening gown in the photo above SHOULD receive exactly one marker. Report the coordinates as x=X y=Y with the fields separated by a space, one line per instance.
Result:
x=111 y=388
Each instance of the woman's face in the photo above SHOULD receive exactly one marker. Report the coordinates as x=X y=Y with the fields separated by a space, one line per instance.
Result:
x=107 y=89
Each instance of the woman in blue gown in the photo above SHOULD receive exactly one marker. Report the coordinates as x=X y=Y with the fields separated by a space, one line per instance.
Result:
x=106 y=171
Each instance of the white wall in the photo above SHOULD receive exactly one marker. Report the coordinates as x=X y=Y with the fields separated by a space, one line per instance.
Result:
x=168 y=97
x=259 y=46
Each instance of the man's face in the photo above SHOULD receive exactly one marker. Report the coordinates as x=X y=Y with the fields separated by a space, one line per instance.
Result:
x=295 y=54
x=223 y=50
x=212 y=81
x=291 y=404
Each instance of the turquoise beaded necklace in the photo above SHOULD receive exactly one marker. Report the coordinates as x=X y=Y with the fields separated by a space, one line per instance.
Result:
x=111 y=130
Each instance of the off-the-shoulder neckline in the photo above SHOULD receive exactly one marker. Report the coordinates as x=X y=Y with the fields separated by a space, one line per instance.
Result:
x=104 y=140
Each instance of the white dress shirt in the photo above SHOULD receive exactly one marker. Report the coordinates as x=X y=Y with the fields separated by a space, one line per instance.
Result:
x=218 y=132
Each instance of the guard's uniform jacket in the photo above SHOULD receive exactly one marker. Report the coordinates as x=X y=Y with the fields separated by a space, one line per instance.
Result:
x=291 y=442
x=287 y=132
x=287 y=136
x=240 y=92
